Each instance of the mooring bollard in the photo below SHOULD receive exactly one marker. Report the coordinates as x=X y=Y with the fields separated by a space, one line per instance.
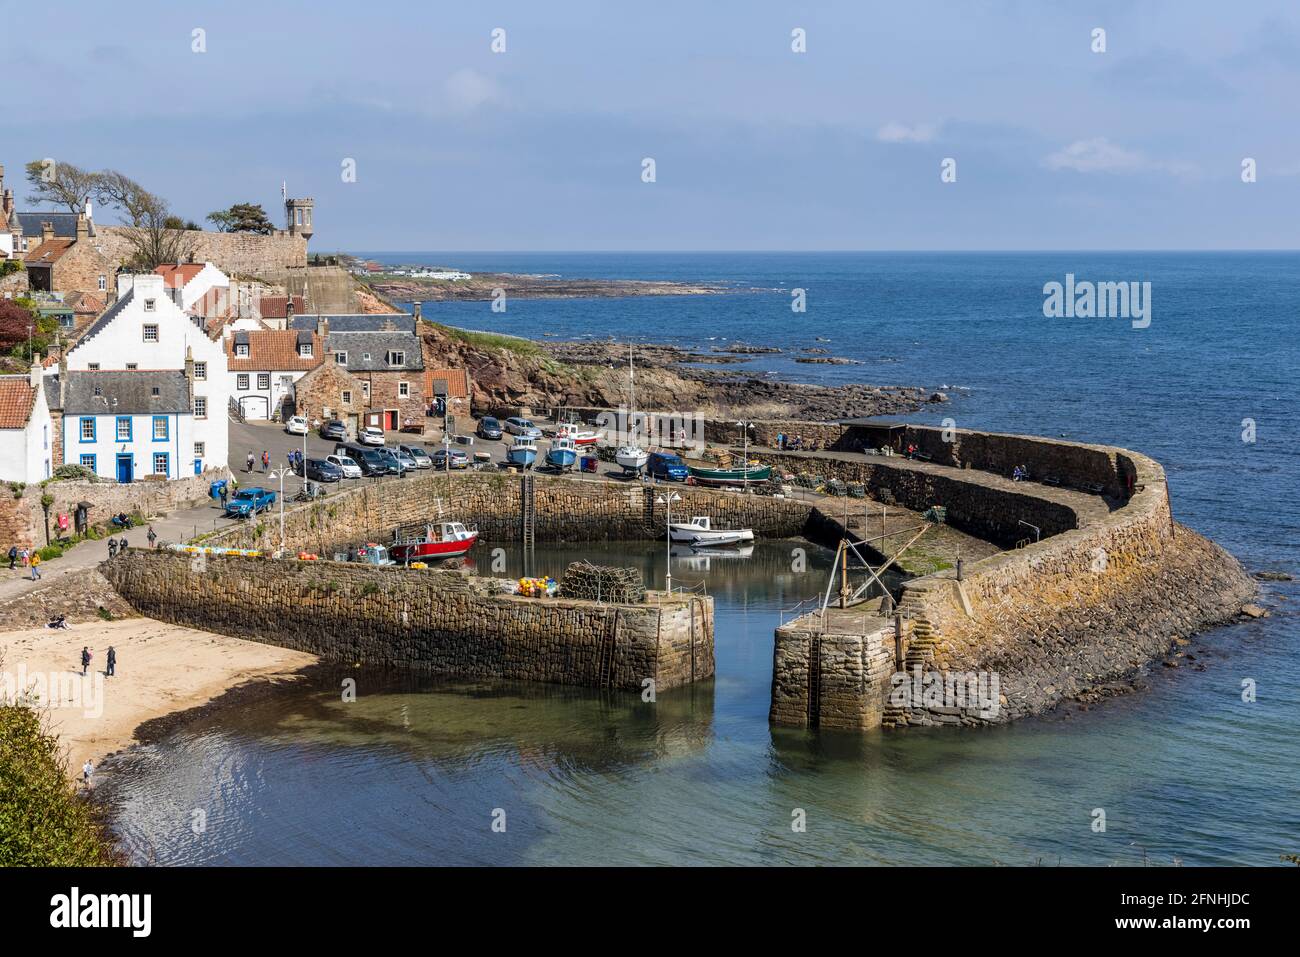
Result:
x=959 y=568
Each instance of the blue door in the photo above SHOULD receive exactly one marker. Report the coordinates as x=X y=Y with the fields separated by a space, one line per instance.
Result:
x=125 y=468
x=198 y=466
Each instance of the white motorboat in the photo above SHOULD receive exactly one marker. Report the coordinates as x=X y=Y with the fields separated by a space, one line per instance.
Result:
x=699 y=531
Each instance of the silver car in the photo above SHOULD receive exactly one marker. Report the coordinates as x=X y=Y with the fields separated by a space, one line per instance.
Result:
x=517 y=425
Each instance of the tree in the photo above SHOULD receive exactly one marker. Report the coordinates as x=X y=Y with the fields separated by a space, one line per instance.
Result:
x=119 y=192
x=61 y=184
x=175 y=222
x=155 y=241
x=23 y=331
x=242 y=218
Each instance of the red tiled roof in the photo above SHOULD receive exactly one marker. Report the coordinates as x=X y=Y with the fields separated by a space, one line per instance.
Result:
x=275 y=307
x=16 y=395
x=49 y=251
x=457 y=384
x=272 y=350
x=178 y=276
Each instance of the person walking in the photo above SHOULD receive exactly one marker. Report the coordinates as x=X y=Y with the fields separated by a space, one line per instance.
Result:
x=225 y=494
x=87 y=770
x=13 y=556
x=85 y=659
x=266 y=460
x=249 y=466
x=36 y=561
x=153 y=537
x=112 y=661
x=112 y=548
x=121 y=545
x=25 y=554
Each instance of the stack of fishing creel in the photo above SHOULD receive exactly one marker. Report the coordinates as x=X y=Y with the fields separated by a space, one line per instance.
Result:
x=602 y=583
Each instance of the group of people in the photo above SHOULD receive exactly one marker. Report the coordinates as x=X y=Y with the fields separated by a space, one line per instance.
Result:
x=794 y=443
x=110 y=661
x=250 y=462
x=115 y=546
x=1019 y=474
x=30 y=559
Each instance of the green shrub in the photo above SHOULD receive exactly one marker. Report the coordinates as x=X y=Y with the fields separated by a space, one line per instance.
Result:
x=369 y=588
x=42 y=821
x=104 y=613
x=75 y=472
x=49 y=552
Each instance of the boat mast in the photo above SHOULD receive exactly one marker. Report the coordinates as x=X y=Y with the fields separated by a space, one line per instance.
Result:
x=631 y=387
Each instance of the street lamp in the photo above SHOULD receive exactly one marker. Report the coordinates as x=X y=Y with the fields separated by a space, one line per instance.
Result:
x=446 y=463
x=279 y=474
x=667 y=500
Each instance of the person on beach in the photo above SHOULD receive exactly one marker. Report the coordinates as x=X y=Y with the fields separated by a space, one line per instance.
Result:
x=85 y=659
x=112 y=661
x=249 y=466
x=87 y=770
x=36 y=561
x=153 y=538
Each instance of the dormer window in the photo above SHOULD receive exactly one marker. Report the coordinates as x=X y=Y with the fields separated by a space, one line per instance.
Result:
x=304 y=349
x=341 y=358
x=241 y=349
x=396 y=358
x=151 y=305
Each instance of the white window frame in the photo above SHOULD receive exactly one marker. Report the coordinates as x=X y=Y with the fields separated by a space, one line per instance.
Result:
x=200 y=402
x=200 y=371
x=241 y=381
x=148 y=326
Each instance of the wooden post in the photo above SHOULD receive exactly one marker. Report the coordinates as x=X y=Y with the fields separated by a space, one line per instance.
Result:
x=898 y=641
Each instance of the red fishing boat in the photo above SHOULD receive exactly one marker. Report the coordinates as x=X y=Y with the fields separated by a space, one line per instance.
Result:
x=431 y=543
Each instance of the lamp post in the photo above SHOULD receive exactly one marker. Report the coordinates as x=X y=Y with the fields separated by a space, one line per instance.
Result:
x=667 y=500
x=446 y=463
x=279 y=474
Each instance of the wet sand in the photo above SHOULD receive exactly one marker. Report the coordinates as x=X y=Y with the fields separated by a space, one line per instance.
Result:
x=162 y=669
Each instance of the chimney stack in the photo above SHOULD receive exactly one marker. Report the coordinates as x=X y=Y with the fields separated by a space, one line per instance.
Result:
x=322 y=327
x=418 y=310
x=189 y=373
x=288 y=311
x=63 y=378
x=47 y=232
x=36 y=370
x=83 y=227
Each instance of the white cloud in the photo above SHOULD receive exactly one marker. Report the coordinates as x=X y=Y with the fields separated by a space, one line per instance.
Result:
x=1097 y=155
x=901 y=133
x=467 y=90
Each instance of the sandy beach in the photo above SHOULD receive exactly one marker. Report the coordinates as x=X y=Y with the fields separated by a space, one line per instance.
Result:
x=161 y=669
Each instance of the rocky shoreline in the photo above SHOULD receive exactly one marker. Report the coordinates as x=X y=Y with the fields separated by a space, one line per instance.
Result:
x=483 y=286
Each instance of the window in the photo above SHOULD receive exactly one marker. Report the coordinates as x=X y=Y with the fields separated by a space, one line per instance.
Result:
x=241 y=382
x=124 y=428
x=161 y=428
x=45 y=434
x=200 y=407
x=92 y=366
x=241 y=349
x=396 y=358
x=160 y=463
x=341 y=358
x=132 y=366
x=88 y=461
x=150 y=332
x=155 y=391
x=404 y=390
x=88 y=429
x=151 y=305
x=103 y=283
x=201 y=371
x=264 y=380
x=199 y=450
x=365 y=391
x=365 y=356
x=347 y=396
x=304 y=349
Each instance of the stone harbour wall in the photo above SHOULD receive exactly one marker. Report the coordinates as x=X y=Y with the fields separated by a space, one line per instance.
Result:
x=443 y=622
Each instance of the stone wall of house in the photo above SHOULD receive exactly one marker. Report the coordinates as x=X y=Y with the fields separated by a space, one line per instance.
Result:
x=322 y=390
x=566 y=510
x=82 y=267
x=444 y=622
x=385 y=394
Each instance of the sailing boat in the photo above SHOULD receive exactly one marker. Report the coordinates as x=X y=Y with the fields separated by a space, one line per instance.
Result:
x=630 y=455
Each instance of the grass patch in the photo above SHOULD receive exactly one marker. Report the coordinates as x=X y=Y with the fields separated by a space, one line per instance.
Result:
x=492 y=341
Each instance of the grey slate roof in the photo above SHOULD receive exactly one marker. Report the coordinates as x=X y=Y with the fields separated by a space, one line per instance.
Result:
x=125 y=393
x=378 y=345
x=376 y=322
x=65 y=224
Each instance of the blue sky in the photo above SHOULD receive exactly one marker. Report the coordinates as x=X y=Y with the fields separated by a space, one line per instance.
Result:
x=756 y=147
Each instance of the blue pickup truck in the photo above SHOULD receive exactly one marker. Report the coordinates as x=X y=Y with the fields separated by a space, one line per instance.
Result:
x=249 y=501
x=667 y=466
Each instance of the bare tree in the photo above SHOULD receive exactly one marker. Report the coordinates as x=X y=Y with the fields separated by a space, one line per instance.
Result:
x=118 y=191
x=60 y=184
x=154 y=241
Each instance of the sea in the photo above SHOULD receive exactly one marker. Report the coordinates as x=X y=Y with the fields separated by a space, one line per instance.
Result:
x=1201 y=766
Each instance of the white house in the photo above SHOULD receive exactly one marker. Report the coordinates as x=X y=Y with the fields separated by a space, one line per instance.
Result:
x=196 y=281
x=264 y=364
x=145 y=331
x=26 y=430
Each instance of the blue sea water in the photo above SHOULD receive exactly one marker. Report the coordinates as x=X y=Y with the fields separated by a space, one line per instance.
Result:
x=1185 y=770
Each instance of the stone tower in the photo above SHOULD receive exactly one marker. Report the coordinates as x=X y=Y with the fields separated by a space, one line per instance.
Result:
x=297 y=214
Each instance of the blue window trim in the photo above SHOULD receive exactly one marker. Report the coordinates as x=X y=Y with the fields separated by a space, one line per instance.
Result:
x=94 y=428
x=167 y=428
x=167 y=464
x=130 y=429
x=91 y=464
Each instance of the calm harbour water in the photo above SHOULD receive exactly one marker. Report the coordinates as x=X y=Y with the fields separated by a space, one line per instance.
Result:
x=412 y=771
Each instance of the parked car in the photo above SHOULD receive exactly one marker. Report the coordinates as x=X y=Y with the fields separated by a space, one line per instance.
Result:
x=488 y=428
x=371 y=435
x=249 y=501
x=297 y=425
x=334 y=429
x=459 y=460
x=404 y=461
x=516 y=425
x=319 y=470
x=667 y=466
x=346 y=464
x=370 y=461
x=421 y=457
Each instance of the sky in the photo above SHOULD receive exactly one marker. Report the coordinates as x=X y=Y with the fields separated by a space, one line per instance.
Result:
x=755 y=146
